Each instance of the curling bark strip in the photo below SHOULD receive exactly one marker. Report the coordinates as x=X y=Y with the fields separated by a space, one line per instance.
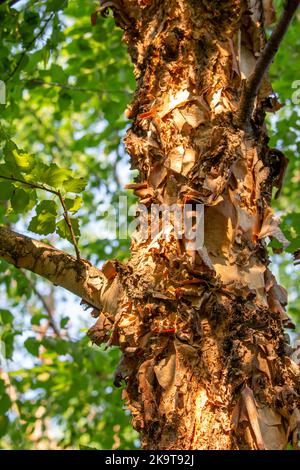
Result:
x=205 y=359
x=60 y=268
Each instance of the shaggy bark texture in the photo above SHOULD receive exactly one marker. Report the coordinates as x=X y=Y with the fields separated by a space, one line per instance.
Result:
x=205 y=359
x=62 y=269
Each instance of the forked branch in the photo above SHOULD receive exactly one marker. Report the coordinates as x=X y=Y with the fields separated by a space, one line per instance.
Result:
x=253 y=83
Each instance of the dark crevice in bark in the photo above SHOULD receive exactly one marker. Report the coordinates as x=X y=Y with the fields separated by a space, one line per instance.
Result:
x=204 y=356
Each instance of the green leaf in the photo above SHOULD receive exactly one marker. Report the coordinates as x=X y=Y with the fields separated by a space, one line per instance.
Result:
x=31 y=17
x=5 y=317
x=36 y=319
x=32 y=346
x=58 y=345
x=24 y=161
x=56 y=176
x=8 y=338
x=290 y=226
x=20 y=200
x=56 y=5
x=73 y=205
x=65 y=100
x=64 y=321
x=47 y=207
x=75 y=185
x=3 y=425
x=4 y=403
x=57 y=74
x=63 y=230
x=8 y=150
x=42 y=224
x=45 y=221
x=6 y=190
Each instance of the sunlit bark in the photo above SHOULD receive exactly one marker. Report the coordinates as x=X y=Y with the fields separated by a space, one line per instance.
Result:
x=204 y=355
x=205 y=360
x=62 y=269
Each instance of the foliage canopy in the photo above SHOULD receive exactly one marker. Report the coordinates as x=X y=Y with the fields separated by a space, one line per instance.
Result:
x=61 y=164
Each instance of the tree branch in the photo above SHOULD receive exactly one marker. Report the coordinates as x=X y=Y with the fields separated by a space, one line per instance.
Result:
x=69 y=224
x=60 y=268
x=62 y=201
x=253 y=83
x=29 y=46
x=66 y=86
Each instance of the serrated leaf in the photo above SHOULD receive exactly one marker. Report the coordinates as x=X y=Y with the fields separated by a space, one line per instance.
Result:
x=37 y=174
x=24 y=161
x=56 y=176
x=75 y=185
x=47 y=207
x=44 y=222
x=73 y=205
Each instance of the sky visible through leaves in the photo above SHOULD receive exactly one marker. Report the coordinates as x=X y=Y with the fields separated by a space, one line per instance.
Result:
x=67 y=86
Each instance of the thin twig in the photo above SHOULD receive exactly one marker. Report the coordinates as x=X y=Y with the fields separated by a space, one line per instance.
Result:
x=29 y=46
x=31 y=185
x=66 y=86
x=253 y=83
x=62 y=201
x=69 y=224
x=56 y=137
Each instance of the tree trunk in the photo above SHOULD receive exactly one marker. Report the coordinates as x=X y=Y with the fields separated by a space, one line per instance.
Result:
x=200 y=325
x=205 y=359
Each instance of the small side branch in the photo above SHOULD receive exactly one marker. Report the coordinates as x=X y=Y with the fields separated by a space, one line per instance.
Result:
x=69 y=225
x=44 y=187
x=66 y=86
x=253 y=83
x=29 y=46
x=60 y=268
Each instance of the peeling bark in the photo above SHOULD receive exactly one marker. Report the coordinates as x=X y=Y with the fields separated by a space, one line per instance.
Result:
x=205 y=359
x=204 y=356
x=62 y=269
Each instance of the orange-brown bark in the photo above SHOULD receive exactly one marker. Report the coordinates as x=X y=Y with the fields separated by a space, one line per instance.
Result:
x=62 y=269
x=205 y=360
